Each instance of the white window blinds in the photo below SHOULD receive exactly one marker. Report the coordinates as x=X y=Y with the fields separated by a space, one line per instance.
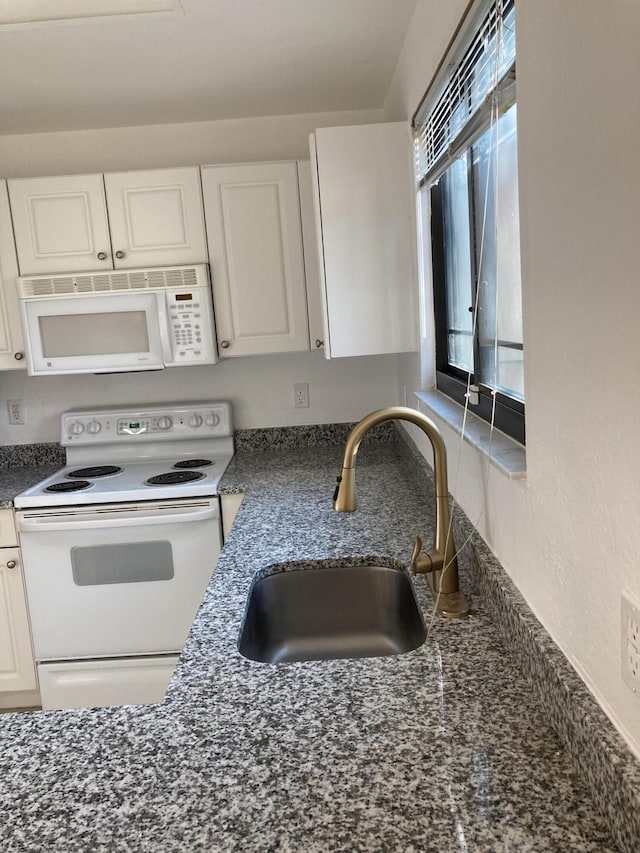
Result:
x=476 y=82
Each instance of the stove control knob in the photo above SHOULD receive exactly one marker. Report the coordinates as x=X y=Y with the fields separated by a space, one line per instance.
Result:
x=195 y=421
x=76 y=428
x=213 y=419
x=94 y=427
x=165 y=423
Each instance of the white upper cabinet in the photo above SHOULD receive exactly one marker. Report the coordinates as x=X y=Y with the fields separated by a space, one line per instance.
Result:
x=11 y=341
x=60 y=224
x=63 y=224
x=156 y=218
x=366 y=238
x=317 y=325
x=252 y=215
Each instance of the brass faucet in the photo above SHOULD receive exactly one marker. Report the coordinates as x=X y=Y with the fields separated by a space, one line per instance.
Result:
x=440 y=564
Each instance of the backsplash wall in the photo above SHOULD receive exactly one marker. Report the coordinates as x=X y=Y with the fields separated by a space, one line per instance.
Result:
x=260 y=389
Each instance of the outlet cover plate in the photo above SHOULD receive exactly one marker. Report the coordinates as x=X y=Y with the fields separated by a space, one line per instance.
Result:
x=630 y=641
x=300 y=395
x=16 y=411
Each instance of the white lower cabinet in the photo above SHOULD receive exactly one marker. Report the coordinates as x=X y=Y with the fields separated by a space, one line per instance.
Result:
x=98 y=683
x=17 y=669
x=230 y=504
x=252 y=215
x=366 y=238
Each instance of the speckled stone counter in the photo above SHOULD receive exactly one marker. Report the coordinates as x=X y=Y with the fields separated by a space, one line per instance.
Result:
x=445 y=748
x=24 y=465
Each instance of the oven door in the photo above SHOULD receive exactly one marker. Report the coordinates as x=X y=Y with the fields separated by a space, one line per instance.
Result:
x=117 y=580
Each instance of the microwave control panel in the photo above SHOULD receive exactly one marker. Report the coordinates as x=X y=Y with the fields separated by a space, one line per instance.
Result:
x=190 y=327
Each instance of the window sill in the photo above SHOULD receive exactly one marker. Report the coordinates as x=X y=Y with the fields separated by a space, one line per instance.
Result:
x=507 y=455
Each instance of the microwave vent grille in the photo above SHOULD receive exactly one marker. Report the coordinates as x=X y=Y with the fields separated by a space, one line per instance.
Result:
x=154 y=279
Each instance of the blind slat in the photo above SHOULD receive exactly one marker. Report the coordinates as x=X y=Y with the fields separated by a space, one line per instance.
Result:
x=483 y=65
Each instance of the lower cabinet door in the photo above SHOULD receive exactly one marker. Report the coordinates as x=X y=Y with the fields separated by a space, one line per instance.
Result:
x=100 y=683
x=17 y=670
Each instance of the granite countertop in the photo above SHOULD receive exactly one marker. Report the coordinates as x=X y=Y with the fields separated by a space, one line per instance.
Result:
x=441 y=749
x=22 y=466
x=16 y=480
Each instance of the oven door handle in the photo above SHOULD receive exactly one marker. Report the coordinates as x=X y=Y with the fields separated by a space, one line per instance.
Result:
x=45 y=525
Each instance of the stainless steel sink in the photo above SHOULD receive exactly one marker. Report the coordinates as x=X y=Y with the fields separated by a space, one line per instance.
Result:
x=331 y=612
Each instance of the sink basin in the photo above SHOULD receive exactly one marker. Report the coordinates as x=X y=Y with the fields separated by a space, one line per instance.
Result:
x=331 y=612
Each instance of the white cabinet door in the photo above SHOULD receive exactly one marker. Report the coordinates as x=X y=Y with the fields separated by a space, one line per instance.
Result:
x=315 y=284
x=17 y=669
x=60 y=224
x=252 y=214
x=11 y=340
x=8 y=534
x=156 y=218
x=229 y=505
x=366 y=238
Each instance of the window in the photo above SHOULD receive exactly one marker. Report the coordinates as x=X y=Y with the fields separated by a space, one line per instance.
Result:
x=466 y=159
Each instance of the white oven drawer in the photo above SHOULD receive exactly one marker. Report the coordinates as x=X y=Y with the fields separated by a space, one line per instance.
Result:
x=122 y=580
x=98 y=683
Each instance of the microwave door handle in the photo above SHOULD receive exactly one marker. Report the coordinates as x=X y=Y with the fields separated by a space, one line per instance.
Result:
x=43 y=525
x=163 y=323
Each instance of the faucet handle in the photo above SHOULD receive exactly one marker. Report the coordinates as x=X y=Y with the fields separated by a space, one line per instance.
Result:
x=421 y=563
x=416 y=554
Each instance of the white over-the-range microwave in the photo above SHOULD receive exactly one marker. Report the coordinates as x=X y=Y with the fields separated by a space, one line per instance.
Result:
x=115 y=322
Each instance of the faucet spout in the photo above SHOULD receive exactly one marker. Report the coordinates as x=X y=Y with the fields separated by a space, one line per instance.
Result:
x=440 y=564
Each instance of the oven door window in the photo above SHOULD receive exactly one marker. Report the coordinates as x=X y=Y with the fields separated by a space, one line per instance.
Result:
x=130 y=562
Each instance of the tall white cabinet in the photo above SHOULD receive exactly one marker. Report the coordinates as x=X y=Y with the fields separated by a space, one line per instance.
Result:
x=256 y=254
x=17 y=668
x=83 y=223
x=11 y=340
x=365 y=228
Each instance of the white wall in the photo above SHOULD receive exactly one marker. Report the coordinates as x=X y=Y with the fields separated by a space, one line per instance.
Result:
x=568 y=535
x=156 y=146
x=259 y=387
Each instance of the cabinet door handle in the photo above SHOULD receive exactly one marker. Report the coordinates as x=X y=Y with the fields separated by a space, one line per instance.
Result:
x=224 y=344
x=11 y=564
x=102 y=256
x=18 y=356
x=119 y=254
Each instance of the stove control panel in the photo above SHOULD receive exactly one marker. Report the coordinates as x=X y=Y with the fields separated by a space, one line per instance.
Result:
x=153 y=423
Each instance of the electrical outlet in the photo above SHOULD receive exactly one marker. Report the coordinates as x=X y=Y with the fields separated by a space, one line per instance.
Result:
x=17 y=413
x=630 y=641
x=300 y=395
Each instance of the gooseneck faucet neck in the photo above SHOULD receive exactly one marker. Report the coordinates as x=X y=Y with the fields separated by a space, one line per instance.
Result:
x=440 y=562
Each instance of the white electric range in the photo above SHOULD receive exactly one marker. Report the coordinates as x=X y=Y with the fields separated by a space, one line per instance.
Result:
x=118 y=548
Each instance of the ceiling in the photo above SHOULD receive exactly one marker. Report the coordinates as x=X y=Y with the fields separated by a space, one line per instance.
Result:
x=210 y=59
